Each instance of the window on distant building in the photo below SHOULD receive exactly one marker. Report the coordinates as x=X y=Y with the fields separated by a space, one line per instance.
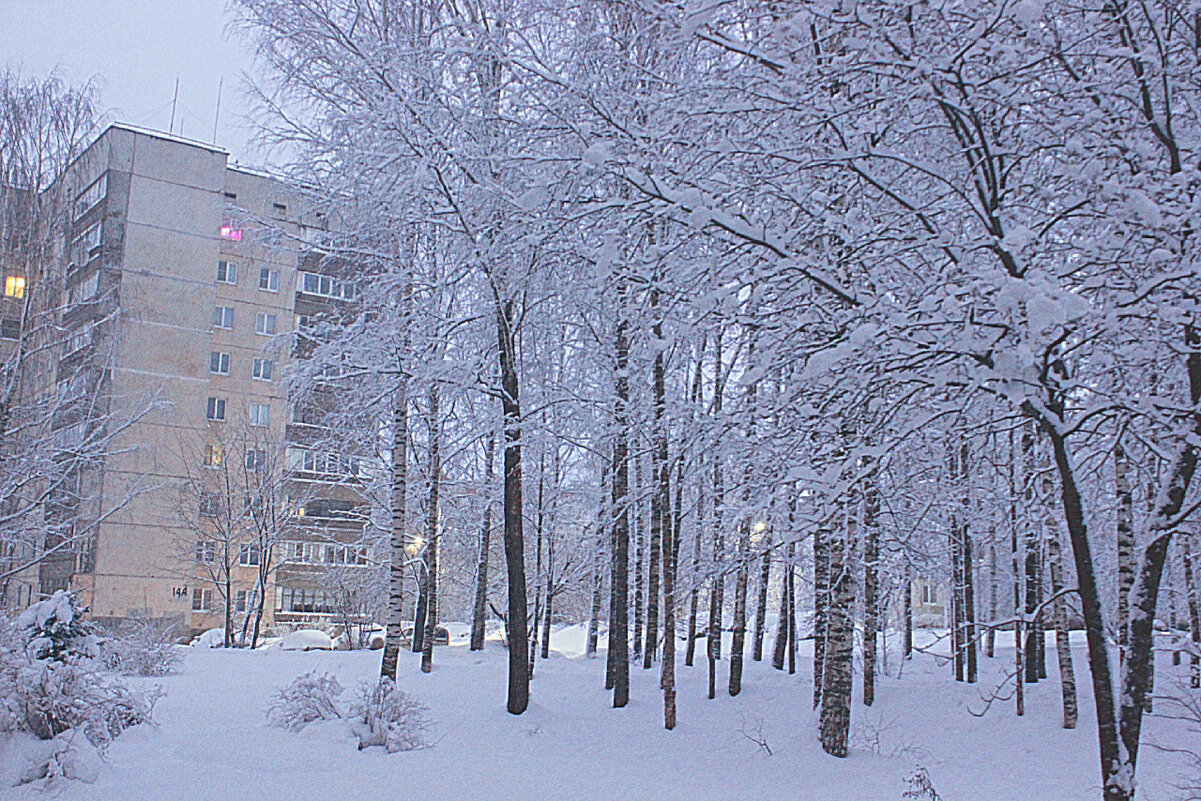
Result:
x=248 y=555
x=268 y=279
x=219 y=363
x=10 y=328
x=264 y=323
x=212 y=455
x=223 y=317
x=84 y=245
x=929 y=596
x=216 y=409
x=262 y=369
x=91 y=196
x=210 y=504
x=260 y=414
x=325 y=286
x=206 y=552
x=227 y=272
x=230 y=232
x=14 y=286
x=202 y=600
x=240 y=601
x=256 y=459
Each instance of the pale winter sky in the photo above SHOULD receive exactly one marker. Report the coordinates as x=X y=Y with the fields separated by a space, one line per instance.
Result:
x=135 y=49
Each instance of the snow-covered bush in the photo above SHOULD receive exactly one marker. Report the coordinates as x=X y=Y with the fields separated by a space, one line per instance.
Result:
x=52 y=685
x=142 y=647
x=387 y=716
x=312 y=696
x=54 y=630
x=57 y=697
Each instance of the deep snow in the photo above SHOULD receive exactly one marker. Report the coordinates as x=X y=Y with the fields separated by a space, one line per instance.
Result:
x=212 y=739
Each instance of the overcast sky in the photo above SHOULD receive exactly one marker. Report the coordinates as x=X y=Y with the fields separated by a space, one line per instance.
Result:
x=135 y=49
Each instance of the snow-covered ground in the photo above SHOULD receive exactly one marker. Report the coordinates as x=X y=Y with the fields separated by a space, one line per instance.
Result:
x=212 y=739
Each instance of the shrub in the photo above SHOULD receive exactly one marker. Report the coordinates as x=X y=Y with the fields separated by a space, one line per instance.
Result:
x=142 y=647
x=53 y=629
x=56 y=697
x=312 y=696
x=389 y=717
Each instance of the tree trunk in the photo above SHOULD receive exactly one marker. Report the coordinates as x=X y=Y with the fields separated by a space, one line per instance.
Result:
x=668 y=679
x=550 y=594
x=619 y=626
x=637 y=532
x=1032 y=567
x=761 y=608
x=907 y=613
x=1194 y=609
x=821 y=606
x=990 y=636
x=519 y=666
x=1125 y=532
x=658 y=535
x=1063 y=649
x=738 y=642
x=780 y=647
x=836 y=684
x=539 y=575
x=871 y=601
x=1015 y=567
x=479 y=613
x=602 y=526
x=431 y=532
x=792 y=638
x=717 y=589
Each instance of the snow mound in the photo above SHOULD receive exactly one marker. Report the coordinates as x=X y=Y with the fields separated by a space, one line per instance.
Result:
x=307 y=640
x=213 y=638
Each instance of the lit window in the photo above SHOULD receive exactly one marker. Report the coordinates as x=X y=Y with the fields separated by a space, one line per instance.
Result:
x=262 y=369
x=219 y=363
x=268 y=279
x=260 y=414
x=223 y=317
x=212 y=455
x=264 y=323
x=227 y=272
x=14 y=286
x=228 y=231
x=216 y=409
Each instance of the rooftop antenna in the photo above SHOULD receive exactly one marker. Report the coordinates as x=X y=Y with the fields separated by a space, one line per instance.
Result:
x=217 y=114
x=174 y=101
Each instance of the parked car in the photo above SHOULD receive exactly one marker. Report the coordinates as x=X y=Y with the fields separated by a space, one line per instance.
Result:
x=441 y=635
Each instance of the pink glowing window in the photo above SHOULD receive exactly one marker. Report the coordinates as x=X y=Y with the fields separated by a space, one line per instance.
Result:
x=231 y=233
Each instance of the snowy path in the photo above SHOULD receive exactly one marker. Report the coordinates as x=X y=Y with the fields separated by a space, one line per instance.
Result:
x=212 y=741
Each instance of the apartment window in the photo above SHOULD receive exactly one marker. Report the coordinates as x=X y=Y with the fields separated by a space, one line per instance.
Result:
x=231 y=233
x=268 y=279
x=929 y=596
x=227 y=272
x=84 y=244
x=264 y=323
x=325 y=286
x=10 y=328
x=240 y=601
x=202 y=600
x=216 y=409
x=219 y=363
x=262 y=369
x=223 y=317
x=210 y=504
x=260 y=414
x=212 y=455
x=256 y=459
x=14 y=286
x=248 y=555
x=91 y=196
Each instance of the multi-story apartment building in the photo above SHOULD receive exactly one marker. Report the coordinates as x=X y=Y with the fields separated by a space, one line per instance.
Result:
x=181 y=289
